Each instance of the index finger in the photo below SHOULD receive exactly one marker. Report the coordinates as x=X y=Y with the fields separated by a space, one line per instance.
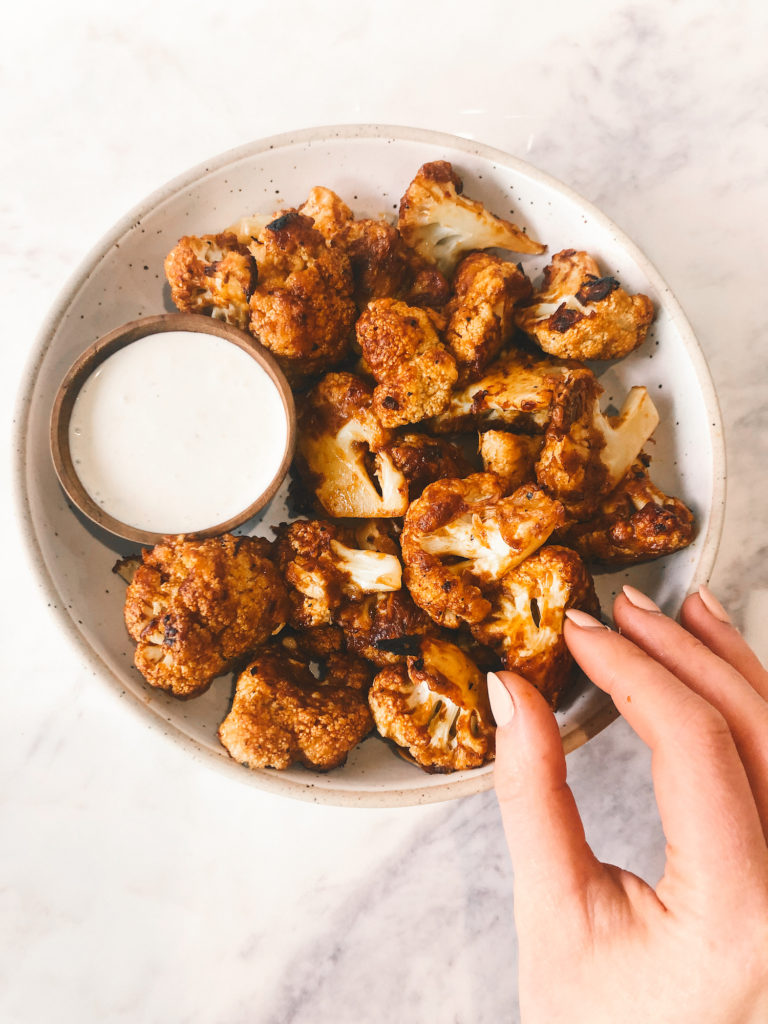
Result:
x=706 y=805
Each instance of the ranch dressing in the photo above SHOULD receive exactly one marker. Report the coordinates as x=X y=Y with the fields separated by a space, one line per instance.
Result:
x=177 y=432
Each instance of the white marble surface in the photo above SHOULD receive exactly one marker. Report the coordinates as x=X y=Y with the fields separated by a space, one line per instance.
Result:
x=138 y=886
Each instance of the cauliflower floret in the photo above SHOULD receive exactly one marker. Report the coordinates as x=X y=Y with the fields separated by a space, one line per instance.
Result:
x=585 y=453
x=339 y=450
x=525 y=627
x=423 y=459
x=461 y=535
x=441 y=224
x=512 y=457
x=581 y=315
x=436 y=708
x=282 y=715
x=302 y=307
x=321 y=571
x=486 y=290
x=194 y=606
x=517 y=391
x=328 y=211
x=402 y=348
x=634 y=523
x=383 y=628
x=214 y=275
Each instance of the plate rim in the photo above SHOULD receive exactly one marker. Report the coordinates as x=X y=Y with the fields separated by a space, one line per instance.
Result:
x=266 y=779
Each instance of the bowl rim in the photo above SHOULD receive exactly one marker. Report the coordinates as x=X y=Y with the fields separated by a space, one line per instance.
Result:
x=457 y=785
x=121 y=337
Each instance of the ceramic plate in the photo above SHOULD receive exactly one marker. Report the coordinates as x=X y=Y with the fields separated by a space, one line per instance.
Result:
x=370 y=167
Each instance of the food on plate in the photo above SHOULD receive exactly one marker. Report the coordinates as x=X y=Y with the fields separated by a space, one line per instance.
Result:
x=195 y=606
x=462 y=535
x=435 y=707
x=423 y=459
x=580 y=315
x=525 y=627
x=511 y=457
x=442 y=225
x=213 y=274
x=282 y=714
x=413 y=370
x=384 y=628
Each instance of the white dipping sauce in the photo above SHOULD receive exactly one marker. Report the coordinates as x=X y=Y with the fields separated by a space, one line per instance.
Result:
x=177 y=432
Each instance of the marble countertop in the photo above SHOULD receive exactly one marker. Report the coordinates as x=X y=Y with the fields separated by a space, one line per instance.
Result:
x=138 y=886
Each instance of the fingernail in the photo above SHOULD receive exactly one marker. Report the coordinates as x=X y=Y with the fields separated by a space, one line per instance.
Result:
x=713 y=605
x=639 y=599
x=583 y=620
x=502 y=705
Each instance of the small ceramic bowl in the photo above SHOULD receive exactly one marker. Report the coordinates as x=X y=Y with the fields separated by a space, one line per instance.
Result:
x=119 y=338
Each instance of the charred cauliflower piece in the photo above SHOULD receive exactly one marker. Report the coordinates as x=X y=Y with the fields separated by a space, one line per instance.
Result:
x=581 y=315
x=195 y=606
x=423 y=459
x=321 y=571
x=518 y=391
x=214 y=275
x=525 y=627
x=282 y=715
x=302 y=307
x=512 y=457
x=585 y=453
x=480 y=314
x=414 y=372
x=383 y=628
x=462 y=535
x=435 y=707
x=340 y=450
x=328 y=211
x=634 y=523
x=442 y=225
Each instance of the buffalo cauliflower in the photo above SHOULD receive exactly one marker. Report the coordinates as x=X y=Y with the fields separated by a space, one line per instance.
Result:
x=340 y=451
x=518 y=392
x=214 y=275
x=423 y=459
x=435 y=708
x=302 y=307
x=321 y=571
x=585 y=453
x=581 y=315
x=634 y=523
x=442 y=225
x=282 y=715
x=462 y=535
x=195 y=606
x=328 y=211
x=525 y=626
x=486 y=290
x=383 y=628
x=512 y=457
x=413 y=370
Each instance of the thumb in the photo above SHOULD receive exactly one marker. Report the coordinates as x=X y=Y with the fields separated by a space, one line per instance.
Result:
x=545 y=834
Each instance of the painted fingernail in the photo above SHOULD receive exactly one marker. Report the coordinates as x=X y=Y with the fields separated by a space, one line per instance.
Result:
x=639 y=599
x=502 y=705
x=713 y=605
x=583 y=620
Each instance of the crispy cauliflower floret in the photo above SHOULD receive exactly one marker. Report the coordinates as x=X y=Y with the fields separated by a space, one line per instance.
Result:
x=340 y=451
x=321 y=571
x=194 y=606
x=328 y=211
x=512 y=457
x=525 y=627
x=461 y=535
x=423 y=459
x=214 y=275
x=634 y=523
x=282 y=715
x=436 y=708
x=517 y=391
x=581 y=315
x=585 y=453
x=486 y=290
x=383 y=628
x=441 y=224
x=402 y=348
x=302 y=307
x=376 y=535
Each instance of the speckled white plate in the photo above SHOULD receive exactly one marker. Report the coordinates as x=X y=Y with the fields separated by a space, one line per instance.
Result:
x=370 y=167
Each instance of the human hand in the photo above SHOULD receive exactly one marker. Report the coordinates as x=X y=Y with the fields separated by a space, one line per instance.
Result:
x=597 y=944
